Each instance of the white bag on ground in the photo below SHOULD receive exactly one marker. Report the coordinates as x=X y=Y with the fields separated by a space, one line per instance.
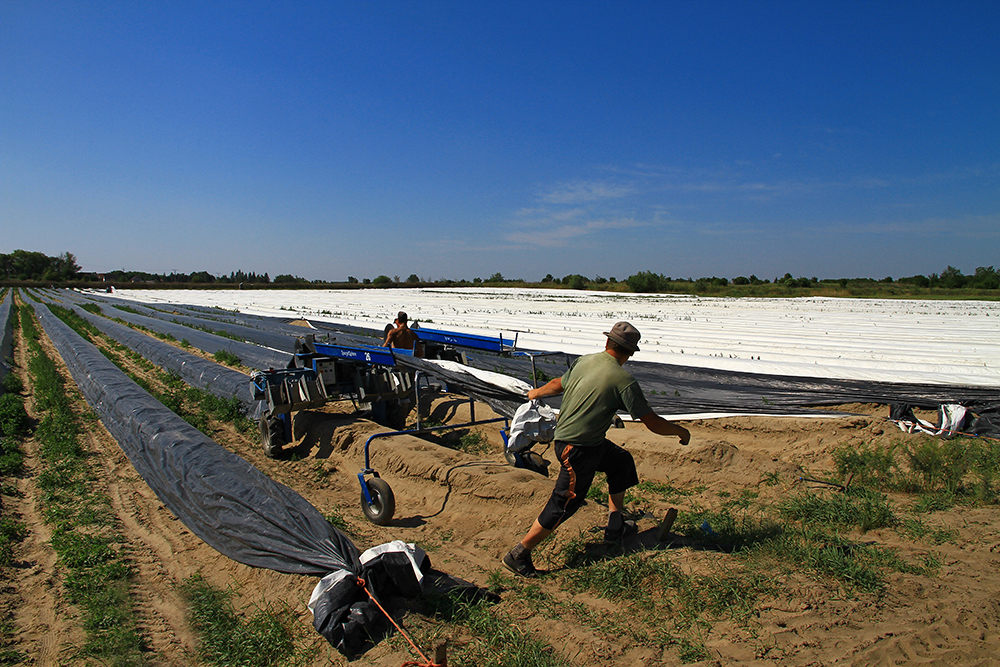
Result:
x=951 y=419
x=532 y=422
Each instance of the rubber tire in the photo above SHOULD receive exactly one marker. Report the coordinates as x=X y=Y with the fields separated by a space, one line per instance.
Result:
x=383 y=504
x=272 y=435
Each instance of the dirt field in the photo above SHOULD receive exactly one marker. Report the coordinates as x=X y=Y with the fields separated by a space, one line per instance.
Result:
x=467 y=510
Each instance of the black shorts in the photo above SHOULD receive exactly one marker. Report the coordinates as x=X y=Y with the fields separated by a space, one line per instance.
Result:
x=576 y=474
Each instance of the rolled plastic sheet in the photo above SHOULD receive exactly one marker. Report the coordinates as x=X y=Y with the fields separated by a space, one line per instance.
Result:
x=251 y=354
x=201 y=373
x=219 y=496
x=6 y=334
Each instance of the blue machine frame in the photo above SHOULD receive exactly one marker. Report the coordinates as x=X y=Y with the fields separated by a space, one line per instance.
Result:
x=331 y=372
x=497 y=344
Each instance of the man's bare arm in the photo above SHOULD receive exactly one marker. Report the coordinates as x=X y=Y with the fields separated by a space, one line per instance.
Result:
x=661 y=426
x=550 y=388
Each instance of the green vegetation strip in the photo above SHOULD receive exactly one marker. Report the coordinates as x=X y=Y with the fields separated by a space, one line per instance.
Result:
x=85 y=535
x=14 y=427
x=37 y=267
x=939 y=472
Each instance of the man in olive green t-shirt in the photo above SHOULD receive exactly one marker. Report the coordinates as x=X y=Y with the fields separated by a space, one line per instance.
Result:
x=594 y=389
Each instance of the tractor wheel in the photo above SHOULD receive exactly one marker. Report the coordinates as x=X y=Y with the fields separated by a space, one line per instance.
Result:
x=272 y=435
x=383 y=503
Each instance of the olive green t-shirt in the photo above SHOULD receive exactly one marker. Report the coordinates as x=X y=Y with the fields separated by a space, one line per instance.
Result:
x=594 y=388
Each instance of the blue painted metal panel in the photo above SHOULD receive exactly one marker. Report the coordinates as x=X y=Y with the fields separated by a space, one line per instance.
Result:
x=370 y=354
x=474 y=341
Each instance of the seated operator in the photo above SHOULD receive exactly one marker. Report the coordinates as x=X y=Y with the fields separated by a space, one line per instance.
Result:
x=403 y=337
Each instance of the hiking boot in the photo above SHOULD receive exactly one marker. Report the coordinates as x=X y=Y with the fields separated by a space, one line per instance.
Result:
x=518 y=561
x=618 y=529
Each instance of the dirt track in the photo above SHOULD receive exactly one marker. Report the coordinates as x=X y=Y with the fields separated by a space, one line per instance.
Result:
x=466 y=511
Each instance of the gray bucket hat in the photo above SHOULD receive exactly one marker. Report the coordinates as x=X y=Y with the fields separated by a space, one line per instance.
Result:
x=625 y=335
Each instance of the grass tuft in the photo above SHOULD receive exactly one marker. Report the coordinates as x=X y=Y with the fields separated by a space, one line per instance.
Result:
x=228 y=638
x=226 y=357
x=857 y=507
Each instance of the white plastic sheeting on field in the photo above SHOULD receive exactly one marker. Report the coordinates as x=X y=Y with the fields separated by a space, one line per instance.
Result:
x=916 y=341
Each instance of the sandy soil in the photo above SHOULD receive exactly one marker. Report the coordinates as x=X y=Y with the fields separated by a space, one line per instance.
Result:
x=467 y=510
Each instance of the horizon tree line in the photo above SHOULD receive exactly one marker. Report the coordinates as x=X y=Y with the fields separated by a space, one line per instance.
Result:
x=28 y=266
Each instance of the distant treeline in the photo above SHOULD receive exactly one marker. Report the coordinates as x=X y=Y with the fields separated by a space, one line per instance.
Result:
x=985 y=278
x=198 y=277
x=24 y=266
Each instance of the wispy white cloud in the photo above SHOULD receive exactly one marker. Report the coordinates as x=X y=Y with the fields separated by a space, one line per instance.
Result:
x=738 y=181
x=585 y=191
x=562 y=234
x=676 y=200
x=547 y=216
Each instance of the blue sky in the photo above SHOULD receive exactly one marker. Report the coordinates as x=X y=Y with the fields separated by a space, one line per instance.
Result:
x=460 y=139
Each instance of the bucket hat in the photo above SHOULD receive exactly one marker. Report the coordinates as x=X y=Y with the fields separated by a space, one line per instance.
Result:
x=625 y=335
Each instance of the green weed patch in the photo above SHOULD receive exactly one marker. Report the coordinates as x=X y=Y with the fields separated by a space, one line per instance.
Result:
x=228 y=638
x=942 y=472
x=856 y=507
x=226 y=357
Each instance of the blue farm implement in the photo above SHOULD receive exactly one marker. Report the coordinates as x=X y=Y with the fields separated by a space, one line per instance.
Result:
x=373 y=378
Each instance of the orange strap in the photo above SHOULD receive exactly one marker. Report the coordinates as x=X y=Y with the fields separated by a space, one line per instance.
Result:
x=426 y=662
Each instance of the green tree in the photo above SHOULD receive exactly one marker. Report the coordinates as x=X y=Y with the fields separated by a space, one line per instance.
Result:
x=202 y=277
x=952 y=278
x=918 y=280
x=647 y=282
x=65 y=266
x=985 y=278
